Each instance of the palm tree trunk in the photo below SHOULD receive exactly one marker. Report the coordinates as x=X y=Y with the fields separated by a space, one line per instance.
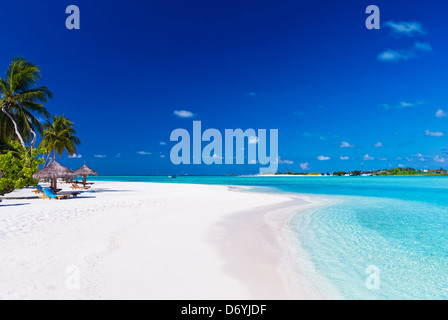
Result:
x=54 y=157
x=15 y=126
x=34 y=139
x=48 y=158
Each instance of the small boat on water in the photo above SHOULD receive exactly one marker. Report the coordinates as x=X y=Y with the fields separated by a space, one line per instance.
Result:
x=172 y=177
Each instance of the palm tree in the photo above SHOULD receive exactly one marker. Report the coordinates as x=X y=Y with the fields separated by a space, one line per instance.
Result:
x=59 y=136
x=19 y=99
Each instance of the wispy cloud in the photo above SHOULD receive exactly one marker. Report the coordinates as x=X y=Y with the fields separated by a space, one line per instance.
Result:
x=403 y=105
x=415 y=51
x=252 y=94
x=162 y=156
x=368 y=158
x=344 y=158
x=440 y=159
x=75 y=156
x=378 y=145
x=441 y=114
x=299 y=113
x=420 y=157
x=403 y=28
x=118 y=155
x=313 y=135
x=305 y=166
x=323 y=158
x=253 y=140
x=284 y=161
x=183 y=114
x=99 y=156
x=382 y=159
x=144 y=153
x=345 y=144
x=162 y=143
x=434 y=134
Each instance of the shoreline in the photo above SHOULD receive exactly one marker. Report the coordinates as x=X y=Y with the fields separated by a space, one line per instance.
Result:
x=265 y=228
x=151 y=241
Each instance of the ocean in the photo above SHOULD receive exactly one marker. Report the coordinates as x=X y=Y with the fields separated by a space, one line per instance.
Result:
x=378 y=237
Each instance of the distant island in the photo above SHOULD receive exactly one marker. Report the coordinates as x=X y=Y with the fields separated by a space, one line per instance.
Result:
x=386 y=172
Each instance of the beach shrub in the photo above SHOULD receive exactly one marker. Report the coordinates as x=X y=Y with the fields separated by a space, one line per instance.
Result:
x=18 y=166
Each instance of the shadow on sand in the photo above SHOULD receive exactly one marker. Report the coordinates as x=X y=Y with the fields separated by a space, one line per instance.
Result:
x=13 y=205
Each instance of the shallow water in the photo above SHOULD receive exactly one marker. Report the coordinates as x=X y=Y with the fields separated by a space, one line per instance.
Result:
x=396 y=227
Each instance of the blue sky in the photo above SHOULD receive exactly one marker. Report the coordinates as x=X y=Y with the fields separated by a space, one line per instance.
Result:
x=339 y=94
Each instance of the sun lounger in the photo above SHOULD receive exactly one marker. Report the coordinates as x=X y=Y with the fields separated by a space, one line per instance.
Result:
x=62 y=195
x=38 y=189
x=49 y=194
x=76 y=187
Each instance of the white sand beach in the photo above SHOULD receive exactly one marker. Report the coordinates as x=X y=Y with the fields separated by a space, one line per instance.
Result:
x=149 y=241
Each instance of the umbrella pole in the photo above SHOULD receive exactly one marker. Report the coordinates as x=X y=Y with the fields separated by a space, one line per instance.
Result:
x=85 y=181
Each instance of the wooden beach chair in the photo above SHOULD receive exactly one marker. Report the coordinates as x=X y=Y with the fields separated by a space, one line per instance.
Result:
x=38 y=190
x=77 y=187
x=49 y=194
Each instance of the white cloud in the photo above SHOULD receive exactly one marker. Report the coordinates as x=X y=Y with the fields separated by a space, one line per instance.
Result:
x=421 y=158
x=382 y=159
x=162 y=143
x=253 y=140
x=367 y=157
x=281 y=161
x=401 y=165
x=75 y=156
x=378 y=145
x=162 y=156
x=440 y=159
x=100 y=156
x=323 y=158
x=434 y=134
x=313 y=135
x=215 y=156
x=441 y=114
x=423 y=47
x=344 y=158
x=416 y=51
x=403 y=105
x=403 y=28
x=305 y=166
x=345 y=144
x=143 y=153
x=183 y=114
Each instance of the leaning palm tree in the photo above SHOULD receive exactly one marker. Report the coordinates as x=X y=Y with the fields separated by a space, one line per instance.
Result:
x=59 y=136
x=20 y=100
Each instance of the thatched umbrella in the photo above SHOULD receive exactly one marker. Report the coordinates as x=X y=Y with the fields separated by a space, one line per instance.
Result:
x=85 y=171
x=54 y=171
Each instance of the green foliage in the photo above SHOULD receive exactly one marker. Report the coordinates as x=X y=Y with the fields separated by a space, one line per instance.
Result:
x=339 y=173
x=20 y=100
x=59 y=136
x=18 y=167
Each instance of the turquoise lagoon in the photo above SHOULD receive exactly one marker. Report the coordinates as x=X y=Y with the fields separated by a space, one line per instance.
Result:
x=398 y=225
